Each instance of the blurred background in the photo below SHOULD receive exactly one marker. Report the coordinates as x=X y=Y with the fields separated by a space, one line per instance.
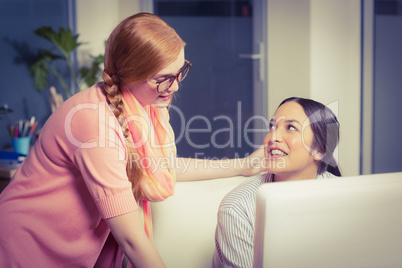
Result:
x=247 y=56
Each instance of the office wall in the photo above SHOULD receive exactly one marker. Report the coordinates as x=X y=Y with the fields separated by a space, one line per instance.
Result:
x=95 y=21
x=336 y=71
x=288 y=51
x=314 y=51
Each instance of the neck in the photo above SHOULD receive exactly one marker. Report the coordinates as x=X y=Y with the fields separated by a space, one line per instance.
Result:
x=305 y=174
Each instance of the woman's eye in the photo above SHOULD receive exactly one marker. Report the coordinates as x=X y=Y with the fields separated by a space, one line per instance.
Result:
x=271 y=126
x=291 y=127
x=160 y=80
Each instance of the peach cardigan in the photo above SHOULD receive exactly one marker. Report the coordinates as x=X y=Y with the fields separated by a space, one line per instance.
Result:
x=53 y=212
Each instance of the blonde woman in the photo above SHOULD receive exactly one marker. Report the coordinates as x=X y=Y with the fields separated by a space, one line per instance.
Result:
x=103 y=154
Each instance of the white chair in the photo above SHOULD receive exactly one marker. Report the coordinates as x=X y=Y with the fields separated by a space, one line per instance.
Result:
x=184 y=224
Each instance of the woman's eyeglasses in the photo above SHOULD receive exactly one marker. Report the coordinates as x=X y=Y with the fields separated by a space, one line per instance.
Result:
x=168 y=82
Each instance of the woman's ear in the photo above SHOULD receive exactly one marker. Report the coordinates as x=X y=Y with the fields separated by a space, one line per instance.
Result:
x=318 y=156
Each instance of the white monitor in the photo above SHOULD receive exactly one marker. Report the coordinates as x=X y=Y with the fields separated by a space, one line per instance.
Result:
x=343 y=222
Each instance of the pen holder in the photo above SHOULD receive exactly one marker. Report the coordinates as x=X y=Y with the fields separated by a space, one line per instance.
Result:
x=21 y=145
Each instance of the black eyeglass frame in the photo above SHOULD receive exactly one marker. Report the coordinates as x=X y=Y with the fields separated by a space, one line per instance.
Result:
x=174 y=77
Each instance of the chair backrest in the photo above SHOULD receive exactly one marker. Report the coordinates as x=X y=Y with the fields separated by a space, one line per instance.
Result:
x=343 y=222
x=184 y=224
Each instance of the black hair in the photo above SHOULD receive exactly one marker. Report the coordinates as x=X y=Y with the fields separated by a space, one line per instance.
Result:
x=325 y=127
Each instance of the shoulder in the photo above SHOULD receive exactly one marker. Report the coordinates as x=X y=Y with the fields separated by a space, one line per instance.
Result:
x=88 y=108
x=84 y=105
x=94 y=94
x=86 y=117
x=243 y=194
x=327 y=175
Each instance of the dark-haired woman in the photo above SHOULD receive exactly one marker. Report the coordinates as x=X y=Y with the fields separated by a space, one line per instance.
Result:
x=302 y=137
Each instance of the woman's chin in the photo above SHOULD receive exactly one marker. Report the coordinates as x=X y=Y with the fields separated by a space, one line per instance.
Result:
x=276 y=165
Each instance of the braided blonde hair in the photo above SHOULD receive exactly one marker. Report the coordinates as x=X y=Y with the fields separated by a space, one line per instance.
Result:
x=139 y=47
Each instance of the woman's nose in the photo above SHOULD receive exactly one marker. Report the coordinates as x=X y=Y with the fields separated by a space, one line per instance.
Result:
x=174 y=87
x=275 y=136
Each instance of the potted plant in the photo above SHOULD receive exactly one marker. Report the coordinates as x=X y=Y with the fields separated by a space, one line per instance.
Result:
x=64 y=43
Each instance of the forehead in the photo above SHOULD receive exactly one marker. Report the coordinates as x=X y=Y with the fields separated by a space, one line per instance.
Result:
x=290 y=111
x=173 y=67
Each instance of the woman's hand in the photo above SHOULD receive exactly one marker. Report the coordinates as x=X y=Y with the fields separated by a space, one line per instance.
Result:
x=256 y=163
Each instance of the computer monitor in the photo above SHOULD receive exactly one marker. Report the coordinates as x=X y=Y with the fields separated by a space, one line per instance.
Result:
x=343 y=222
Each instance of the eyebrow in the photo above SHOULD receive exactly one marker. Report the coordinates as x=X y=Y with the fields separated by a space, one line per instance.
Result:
x=273 y=120
x=156 y=76
x=169 y=74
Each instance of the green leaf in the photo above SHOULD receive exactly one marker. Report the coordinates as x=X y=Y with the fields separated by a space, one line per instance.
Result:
x=64 y=40
x=39 y=71
x=90 y=74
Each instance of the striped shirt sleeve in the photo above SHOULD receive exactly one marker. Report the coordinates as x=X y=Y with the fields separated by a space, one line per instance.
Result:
x=234 y=234
x=235 y=248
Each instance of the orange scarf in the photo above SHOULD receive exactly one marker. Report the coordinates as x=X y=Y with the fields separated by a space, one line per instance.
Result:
x=154 y=142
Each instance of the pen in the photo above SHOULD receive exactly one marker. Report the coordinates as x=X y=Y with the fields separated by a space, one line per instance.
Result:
x=20 y=126
x=24 y=130
x=33 y=128
x=16 y=131
x=11 y=128
x=32 y=121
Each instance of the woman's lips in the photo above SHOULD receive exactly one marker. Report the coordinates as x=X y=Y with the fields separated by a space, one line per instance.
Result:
x=276 y=153
x=166 y=97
